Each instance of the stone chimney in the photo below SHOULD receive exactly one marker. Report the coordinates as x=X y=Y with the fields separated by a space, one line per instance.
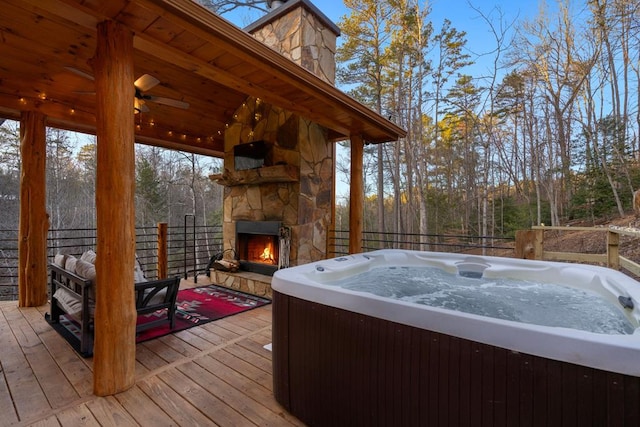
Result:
x=273 y=4
x=292 y=183
x=299 y=31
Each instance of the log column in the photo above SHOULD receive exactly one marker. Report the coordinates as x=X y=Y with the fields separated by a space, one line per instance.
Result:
x=34 y=221
x=115 y=316
x=356 y=195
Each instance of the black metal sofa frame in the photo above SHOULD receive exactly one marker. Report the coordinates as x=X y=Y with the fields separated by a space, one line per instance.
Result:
x=81 y=288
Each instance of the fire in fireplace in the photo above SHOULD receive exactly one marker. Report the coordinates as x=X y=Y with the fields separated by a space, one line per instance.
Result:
x=258 y=246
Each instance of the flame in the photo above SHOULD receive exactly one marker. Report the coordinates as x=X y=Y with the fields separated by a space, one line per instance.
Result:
x=266 y=254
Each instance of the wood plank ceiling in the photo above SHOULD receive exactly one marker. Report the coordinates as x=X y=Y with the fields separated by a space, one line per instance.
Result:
x=199 y=58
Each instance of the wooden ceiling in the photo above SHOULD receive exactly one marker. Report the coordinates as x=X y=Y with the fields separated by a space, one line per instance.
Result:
x=200 y=58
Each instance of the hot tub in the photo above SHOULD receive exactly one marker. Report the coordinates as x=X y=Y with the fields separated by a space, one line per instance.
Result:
x=350 y=349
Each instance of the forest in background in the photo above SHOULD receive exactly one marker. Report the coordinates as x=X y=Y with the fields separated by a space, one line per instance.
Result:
x=548 y=135
x=169 y=184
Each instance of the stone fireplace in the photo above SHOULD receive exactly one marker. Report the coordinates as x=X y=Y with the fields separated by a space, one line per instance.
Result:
x=279 y=167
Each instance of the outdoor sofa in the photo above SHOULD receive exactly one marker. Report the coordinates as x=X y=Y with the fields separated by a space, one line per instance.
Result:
x=73 y=294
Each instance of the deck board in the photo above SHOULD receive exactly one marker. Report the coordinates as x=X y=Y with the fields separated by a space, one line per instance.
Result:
x=214 y=374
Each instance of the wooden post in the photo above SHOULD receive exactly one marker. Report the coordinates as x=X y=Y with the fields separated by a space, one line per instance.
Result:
x=613 y=250
x=163 y=253
x=538 y=244
x=115 y=316
x=331 y=236
x=525 y=244
x=34 y=221
x=356 y=195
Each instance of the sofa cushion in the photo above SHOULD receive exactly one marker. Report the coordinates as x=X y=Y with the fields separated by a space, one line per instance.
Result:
x=85 y=269
x=69 y=302
x=59 y=260
x=157 y=298
x=89 y=256
x=70 y=263
x=138 y=273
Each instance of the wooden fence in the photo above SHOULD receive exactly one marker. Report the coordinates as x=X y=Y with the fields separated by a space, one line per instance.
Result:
x=530 y=245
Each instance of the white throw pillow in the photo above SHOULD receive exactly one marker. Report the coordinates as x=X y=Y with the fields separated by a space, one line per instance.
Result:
x=138 y=273
x=89 y=256
x=70 y=263
x=86 y=270
x=59 y=260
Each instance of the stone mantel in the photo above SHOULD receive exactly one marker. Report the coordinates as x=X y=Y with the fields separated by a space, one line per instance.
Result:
x=262 y=175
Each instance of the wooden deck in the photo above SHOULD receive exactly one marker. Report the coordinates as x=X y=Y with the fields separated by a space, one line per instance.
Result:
x=214 y=374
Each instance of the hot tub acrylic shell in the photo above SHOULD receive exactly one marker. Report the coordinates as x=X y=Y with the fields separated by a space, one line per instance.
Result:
x=351 y=358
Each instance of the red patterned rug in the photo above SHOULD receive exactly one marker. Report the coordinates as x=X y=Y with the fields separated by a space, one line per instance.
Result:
x=201 y=305
x=195 y=306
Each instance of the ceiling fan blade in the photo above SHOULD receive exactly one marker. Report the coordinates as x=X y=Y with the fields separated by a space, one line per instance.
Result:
x=167 y=101
x=84 y=92
x=80 y=73
x=139 y=105
x=146 y=82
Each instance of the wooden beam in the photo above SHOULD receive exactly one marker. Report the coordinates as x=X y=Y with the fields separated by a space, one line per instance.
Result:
x=356 y=195
x=34 y=221
x=63 y=117
x=217 y=31
x=233 y=81
x=115 y=316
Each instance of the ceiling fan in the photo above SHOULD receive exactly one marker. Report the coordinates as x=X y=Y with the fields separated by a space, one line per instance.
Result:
x=144 y=83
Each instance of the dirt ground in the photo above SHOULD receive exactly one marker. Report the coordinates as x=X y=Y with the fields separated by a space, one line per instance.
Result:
x=594 y=241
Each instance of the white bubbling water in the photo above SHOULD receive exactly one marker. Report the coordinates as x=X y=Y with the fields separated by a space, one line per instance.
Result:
x=509 y=299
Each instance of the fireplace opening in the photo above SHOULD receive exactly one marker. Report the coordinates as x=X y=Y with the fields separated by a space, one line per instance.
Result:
x=258 y=246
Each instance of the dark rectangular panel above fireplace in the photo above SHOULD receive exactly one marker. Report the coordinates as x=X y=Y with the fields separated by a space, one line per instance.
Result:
x=251 y=155
x=257 y=246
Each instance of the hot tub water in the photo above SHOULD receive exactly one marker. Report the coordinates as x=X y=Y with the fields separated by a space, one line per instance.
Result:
x=526 y=301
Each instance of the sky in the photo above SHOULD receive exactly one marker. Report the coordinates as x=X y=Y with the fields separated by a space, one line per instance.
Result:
x=460 y=12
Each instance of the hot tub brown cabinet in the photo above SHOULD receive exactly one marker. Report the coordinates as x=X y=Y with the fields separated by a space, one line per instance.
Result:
x=333 y=367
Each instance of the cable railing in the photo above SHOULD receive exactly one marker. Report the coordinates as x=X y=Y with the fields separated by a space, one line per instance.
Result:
x=188 y=251
x=190 y=247
x=373 y=240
